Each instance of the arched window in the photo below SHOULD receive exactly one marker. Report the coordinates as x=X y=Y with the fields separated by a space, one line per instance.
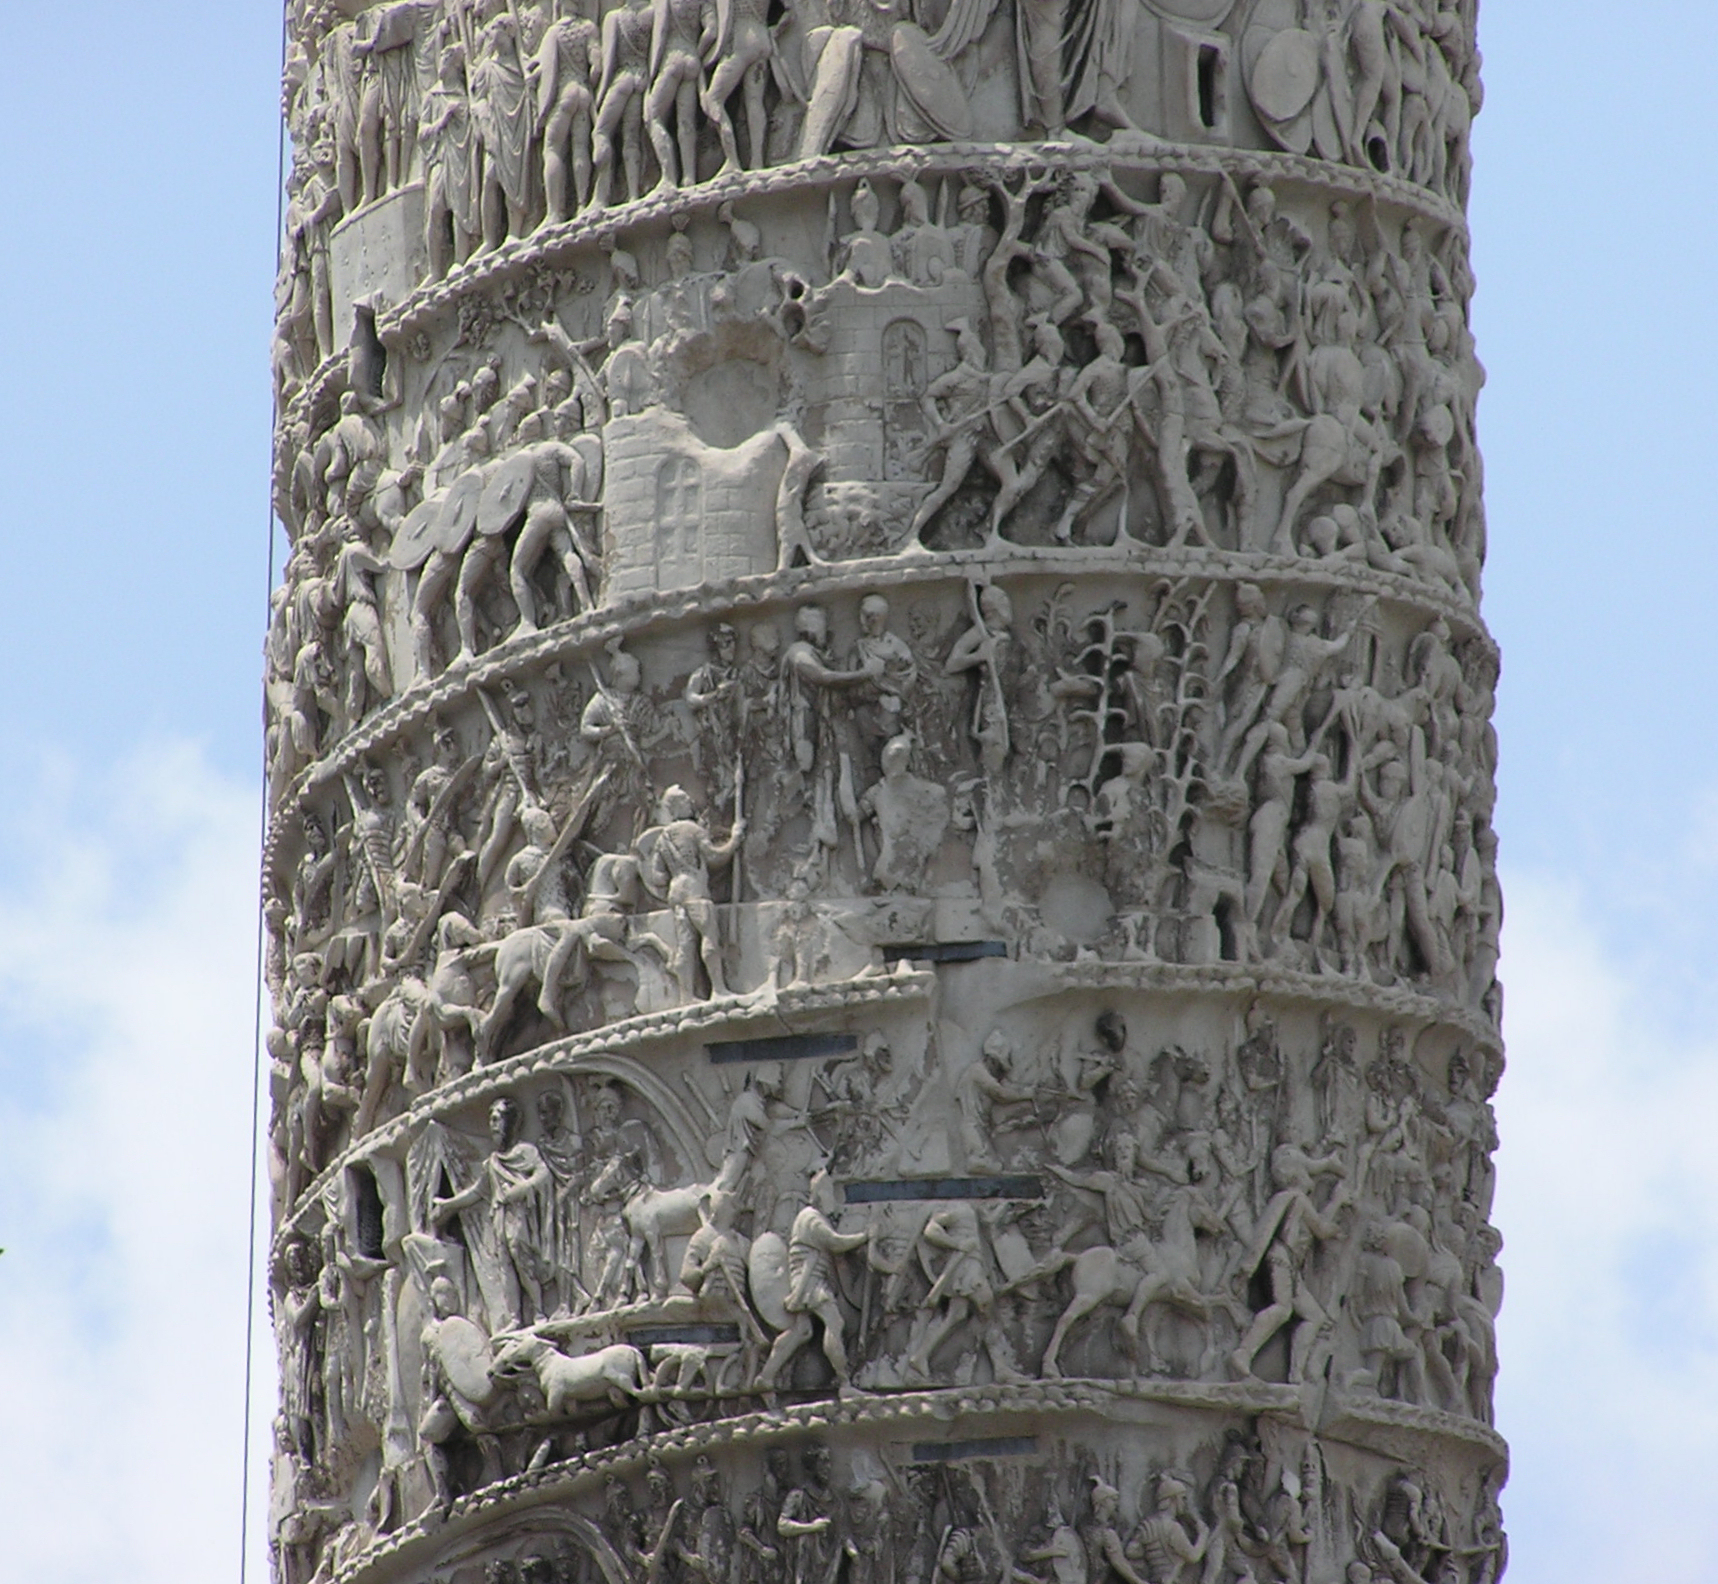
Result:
x=367 y=1207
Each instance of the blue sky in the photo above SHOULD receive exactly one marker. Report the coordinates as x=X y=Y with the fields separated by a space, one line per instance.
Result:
x=137 y=150
x=1598 y=302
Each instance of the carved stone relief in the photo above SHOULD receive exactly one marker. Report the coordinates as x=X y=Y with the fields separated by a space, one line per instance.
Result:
x=430 y=132
x=631 y=1244
x=883 y=905
x=1225 y=385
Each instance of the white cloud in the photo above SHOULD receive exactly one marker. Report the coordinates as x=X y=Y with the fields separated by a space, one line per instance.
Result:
x=127 y=941
x=1608 y=1197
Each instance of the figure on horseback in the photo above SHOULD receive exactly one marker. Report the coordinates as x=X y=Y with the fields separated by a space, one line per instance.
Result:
x=1133 y=1268
x=1340 y=443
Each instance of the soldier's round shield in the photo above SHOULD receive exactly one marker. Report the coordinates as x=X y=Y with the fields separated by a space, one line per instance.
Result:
x=504 y=495
x=767 y=1267
x=416 y=539
x=463 y=1352
x=929 y=82
x=1439 y=425
x=1285 y=76
x=459 y=511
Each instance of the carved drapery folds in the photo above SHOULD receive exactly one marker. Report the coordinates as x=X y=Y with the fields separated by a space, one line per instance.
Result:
x=883 y=907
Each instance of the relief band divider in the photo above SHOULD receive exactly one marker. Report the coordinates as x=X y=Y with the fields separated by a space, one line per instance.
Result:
x=913 y=1190
x=782 y=1047
x=946 y=952
x=961 y=1451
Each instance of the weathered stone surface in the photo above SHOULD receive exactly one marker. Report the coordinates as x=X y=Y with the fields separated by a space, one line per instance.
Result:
x=883 y=907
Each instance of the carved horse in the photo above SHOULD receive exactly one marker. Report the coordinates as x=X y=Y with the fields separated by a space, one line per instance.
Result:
x=653 y=1215
x=526 y=956
x=1167 y=1272
x=558 y=956
x=1339 y=443
x=387 y=1045
x=1334 y=449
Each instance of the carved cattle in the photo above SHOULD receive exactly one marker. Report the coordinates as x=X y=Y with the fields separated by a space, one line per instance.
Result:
x=613 y=1374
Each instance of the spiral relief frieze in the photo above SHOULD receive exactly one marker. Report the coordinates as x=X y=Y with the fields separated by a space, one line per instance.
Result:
x=882 y=898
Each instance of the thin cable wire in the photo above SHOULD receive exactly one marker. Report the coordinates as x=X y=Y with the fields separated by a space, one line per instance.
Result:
x=256 y=1015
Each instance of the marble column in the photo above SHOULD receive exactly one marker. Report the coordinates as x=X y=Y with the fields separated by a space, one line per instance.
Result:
x=882 y=894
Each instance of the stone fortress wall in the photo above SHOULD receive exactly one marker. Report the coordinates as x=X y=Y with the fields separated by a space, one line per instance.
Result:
x=882 y=901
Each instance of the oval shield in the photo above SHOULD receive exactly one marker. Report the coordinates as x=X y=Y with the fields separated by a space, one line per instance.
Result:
x=458 y=515
x=589 y=447
x=416 y=539
x=1286 y=74
x=1326 y=134
x=462 y=1350
x=505 y=494
x=929 y=82
x=767 y=1267
x=1439 y=425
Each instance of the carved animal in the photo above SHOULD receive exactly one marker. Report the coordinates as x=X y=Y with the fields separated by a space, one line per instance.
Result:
x=684 y=1368
x=387 y=1045
x=615 y=1374
x=1167 y=1274
x=522 y=958
x=653 y=1214
x=1330 y=452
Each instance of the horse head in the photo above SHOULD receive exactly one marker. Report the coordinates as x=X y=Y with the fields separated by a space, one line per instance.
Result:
x=618 y=1179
